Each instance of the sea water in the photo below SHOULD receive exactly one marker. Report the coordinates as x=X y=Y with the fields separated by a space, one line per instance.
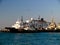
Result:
x=30 y=38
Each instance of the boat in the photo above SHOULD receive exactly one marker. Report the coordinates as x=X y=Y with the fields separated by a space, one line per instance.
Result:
x=33 y=26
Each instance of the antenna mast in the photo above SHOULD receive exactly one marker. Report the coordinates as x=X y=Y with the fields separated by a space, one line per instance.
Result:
x=22 y=18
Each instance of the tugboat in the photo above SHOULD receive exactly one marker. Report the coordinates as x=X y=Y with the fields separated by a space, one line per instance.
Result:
x=52 y=25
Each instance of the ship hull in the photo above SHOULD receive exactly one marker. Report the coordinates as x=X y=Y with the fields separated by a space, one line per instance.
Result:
x=34 y=31
x=13 y=30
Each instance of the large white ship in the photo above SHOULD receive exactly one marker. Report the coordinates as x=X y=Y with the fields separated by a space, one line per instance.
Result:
x=34 y=25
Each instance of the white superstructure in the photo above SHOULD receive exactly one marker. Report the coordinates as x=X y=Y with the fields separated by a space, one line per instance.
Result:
x=31 y=24
x=52 y=25
x=18 y=24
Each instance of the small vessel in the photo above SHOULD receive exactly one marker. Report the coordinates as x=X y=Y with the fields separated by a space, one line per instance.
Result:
x=52 y=25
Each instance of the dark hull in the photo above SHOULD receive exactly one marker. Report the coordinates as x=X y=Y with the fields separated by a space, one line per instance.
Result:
x=13 y=30
x=34 y=31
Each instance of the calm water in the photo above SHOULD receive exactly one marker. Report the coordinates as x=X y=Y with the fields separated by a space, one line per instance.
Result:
x=29 y=38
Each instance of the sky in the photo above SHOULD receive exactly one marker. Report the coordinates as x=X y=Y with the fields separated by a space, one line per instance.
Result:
x=11 y=10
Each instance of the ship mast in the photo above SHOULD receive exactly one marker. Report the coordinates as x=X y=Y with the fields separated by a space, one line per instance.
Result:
x=39 y=18
x=52 y=20
x=21 y=18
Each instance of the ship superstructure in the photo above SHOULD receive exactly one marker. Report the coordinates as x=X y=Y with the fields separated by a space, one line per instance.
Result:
x=52 y=25
x=34 y=24
x=31 y=24
x=17 y=24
